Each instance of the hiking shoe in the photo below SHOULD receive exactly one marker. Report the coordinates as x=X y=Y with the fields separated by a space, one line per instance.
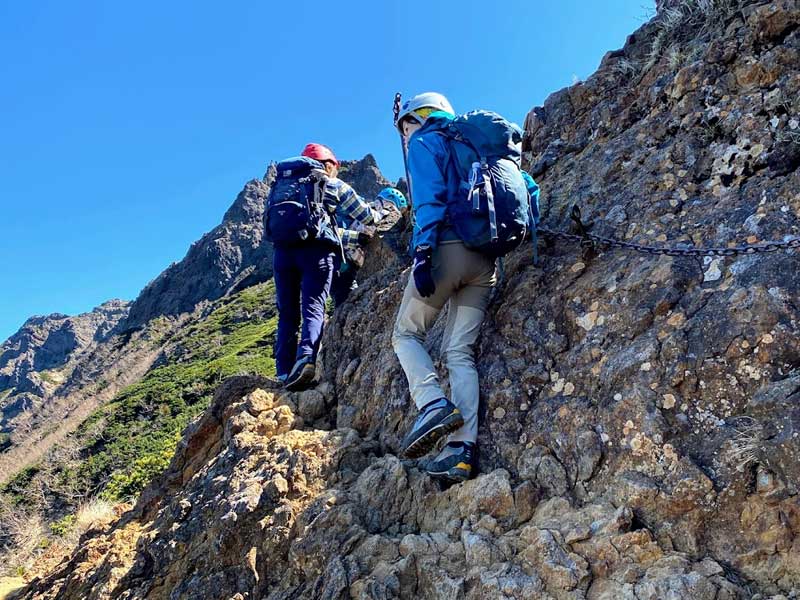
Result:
x=302 y=375
x=437 y=419
x=455 y=463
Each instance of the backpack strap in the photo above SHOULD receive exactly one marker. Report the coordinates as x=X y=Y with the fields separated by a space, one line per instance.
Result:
x=534 y=235
x=320 y=189
x=500 y=270
x=489 y=193
x=472 y=187
x=448 y=137
x=480 y=178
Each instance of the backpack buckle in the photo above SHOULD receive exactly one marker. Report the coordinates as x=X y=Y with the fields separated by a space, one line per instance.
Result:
x=474 y=196
x=473 y=174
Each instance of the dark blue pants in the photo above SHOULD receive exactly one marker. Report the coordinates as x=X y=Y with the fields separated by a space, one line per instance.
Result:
x=302 y=277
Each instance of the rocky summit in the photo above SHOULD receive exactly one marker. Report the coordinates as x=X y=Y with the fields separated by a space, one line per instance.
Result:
x=640 y=426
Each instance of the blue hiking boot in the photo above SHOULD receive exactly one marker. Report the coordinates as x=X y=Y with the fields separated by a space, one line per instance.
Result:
x=437 y=419
x=302 y=375
x=455 y=463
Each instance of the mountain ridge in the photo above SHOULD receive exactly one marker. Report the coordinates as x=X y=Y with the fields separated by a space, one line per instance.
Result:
x=639 y=430
x=43 y=353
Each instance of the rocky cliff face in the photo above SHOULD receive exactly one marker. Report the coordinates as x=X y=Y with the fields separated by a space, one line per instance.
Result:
x=640 y=431
x=41 y=356
x=231 y=256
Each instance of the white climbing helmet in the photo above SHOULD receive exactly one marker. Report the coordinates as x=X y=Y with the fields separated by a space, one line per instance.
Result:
x=414 y=107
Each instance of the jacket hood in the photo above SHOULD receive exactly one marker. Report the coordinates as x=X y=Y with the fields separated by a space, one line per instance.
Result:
x=436 y=121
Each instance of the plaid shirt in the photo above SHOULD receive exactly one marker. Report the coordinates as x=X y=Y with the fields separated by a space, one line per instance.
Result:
x=352 y=213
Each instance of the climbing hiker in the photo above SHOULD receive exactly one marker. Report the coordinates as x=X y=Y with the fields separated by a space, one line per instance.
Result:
x=356 y=234
x=300 y=222
x=387 y=208
x=389 y=199
x=471 y=206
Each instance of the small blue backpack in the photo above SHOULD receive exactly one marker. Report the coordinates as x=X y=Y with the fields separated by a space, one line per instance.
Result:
x=294 y=211
x=491 y=210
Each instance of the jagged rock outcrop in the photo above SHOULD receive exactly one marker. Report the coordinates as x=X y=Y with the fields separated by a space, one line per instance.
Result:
x=255 y=505
x=640 y=433
x=37 y=359
x=231 y=256
x=364 y=175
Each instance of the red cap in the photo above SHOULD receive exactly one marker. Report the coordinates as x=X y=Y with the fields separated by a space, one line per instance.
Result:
x=320 y=153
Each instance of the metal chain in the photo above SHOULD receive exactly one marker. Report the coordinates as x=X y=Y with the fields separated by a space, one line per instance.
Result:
x=591 y=241
x=603 y=243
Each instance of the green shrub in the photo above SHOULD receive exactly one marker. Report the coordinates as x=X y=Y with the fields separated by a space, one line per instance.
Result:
x=24 y=477
x=128 y=484
x=137 y=431
x=63 y=526
x=18 y=486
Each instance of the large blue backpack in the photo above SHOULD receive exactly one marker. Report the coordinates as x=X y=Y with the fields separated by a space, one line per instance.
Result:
x=294 y=211
x=490 y=211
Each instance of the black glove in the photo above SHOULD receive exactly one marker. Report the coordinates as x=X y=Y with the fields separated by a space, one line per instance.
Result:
x=363 y=239
x=423 y=271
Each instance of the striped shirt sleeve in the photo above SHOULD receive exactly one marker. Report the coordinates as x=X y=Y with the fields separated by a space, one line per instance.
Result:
x=349 y=239
x=347 y=202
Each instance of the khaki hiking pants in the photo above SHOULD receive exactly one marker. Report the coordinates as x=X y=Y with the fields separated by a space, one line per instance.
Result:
x=465 y=278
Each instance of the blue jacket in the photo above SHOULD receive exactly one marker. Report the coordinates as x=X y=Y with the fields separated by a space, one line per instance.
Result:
x=430 y=184
x=433 y=181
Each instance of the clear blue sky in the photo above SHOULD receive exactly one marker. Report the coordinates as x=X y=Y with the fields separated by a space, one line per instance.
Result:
x=126 y=129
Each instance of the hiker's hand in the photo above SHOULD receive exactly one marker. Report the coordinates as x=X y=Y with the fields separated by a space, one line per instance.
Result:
x=423 y=271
